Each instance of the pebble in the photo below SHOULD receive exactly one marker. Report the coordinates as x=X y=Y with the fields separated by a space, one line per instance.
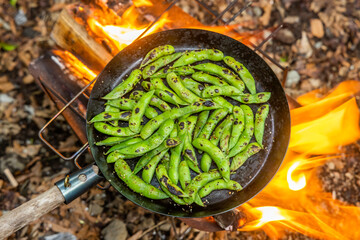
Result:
x=20 y=18
x=4 y=98
x=292 y=78
x=286 y=36
x=316 y=83
x=116 y=230
x=60 y=236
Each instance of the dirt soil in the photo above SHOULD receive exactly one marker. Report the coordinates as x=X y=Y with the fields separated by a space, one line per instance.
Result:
x=320 y=43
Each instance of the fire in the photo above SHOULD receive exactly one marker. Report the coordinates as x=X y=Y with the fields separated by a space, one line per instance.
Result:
x=300 y=202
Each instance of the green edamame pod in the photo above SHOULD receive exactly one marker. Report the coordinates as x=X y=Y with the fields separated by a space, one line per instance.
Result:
x=213 y=91
x=175 y=113
x=198 y=182
x=149 y=169
x=110 y=116
x=260 y=117
x=240 y=158
x=189 y=154
x=173 y=197
x=193 y=86
x=158 y=83
x=176 y=84
x=147 y=85
x=139 y=110
x=205 y=163
x=157 y=53
x=164 y=180
x=199 y=55
x=109 y=108
x=175 y=158
x=184 y=174
x=191 y=122
x=135 y=183
x=211 y=123
x=115 y=155
x=242 y=71
x=174 y=133
x=225 y=136
x=126 y=86
x=159 y=63
x=182 y=71
x=152 y=142
x=247 y=134
x=155 y=101
x=225 y=73
x=113 y=131
x=129 y=104
x=169 y=143
x=253 y=98
x=222 y=101
x=124 y=144
x=218 y=185
x=238 y=127
x=111 y=141
x=166 y=161
x=221 y=160
x=201 y=121
x=207 y=78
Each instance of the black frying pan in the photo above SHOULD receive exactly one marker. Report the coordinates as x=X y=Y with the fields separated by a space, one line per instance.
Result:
x=254 y=174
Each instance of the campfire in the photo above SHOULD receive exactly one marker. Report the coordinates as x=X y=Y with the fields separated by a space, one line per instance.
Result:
x=328 y=120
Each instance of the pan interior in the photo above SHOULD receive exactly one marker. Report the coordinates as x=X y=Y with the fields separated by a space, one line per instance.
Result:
x=257 y=170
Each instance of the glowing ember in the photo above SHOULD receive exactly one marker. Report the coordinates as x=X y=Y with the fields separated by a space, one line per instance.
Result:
x=300 y=183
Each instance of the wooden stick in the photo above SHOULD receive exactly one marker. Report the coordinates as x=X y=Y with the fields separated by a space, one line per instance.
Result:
x=11 y=178
x=30 y=211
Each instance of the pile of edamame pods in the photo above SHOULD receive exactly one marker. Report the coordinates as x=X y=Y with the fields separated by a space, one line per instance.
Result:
x=184 y=106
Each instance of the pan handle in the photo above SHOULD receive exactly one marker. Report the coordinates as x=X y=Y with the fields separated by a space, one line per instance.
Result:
x=66 y=190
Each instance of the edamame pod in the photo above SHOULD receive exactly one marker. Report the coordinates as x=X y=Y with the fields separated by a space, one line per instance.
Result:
x=113 y=131
x=157 y=53
x=135 y=183
x=139 y=110
x=189 y=154
x=166 y=161
x=198 y=182
x=207 y=78
x=124 y=144
x=218 y=185
x=184 y=174
x=164 y=180
x=238 y=126
x=225 y=136
x=115 y=155
x=246 y=134
x=240 y=158
x=182 y=71
x=216 y=155
x=213 y=91
x=185 y=94
x=221 y=101
x=191 y=122
x=111 y=141
x=169 y=143
x=201 y=121
x=109 y=108
x=158 y=83
x=174 y=113
x=159 y=63
x=147 y=85
x=155 y=101
x=152 y=142
x=211 y=123
x=199 y=55
x=253 y=98
x=193 y=86
x=126 y=86
x=260 y=117
x=149 y=169
x=129 y=104
x=175 y=158
x=110 y=116
x=242 y=71
x=225 y=73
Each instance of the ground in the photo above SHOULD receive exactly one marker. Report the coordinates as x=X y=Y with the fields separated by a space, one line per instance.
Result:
x=320 y=43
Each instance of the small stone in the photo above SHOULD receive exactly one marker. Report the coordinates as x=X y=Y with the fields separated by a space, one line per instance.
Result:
x=257 y=11
x=318 y=45
x=4 y=98
x=286 y=36
x=165 y=227
x=95 y=209
x=349 y=175
x=292 y=78
x=343 y=71
x=20 y=18
x=116 y=230
x=60 y=236
x=292 y=19
x=316 y=83
x=317 y=28
x=331 y=165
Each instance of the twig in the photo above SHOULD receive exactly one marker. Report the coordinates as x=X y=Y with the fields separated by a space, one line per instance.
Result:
x=153 y=227
x=11 y=178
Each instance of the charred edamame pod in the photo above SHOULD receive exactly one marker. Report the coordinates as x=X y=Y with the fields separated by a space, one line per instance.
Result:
x=157 y=53
x=253 y=98
x=139 y=110
x=124 y=144
x=185 y=94
x=199 y=55
x=260 y=117
x=189 y=154
x=113 y=131
x=164 y=180
x=175 y=158
x=201 y=121
x=225 y=73
x=110 y=116
x=182 y=71
x=241 y=157
x=111 y=141
x=238 y=126
x=213 y=91
x=225 y=136
x=193 y=86
x=218 y=185
x=222 y=102
x=155 y=101
x=216 y=155
x=243 y=72
x=129 y=104
x=211 y=123
x=109 y=108
x=207 y=78
x=158 y=83
x=149 y=169
x=191 y=122
x=135 y=183
x=126 y=86
x=246 y=134
x=159 y=63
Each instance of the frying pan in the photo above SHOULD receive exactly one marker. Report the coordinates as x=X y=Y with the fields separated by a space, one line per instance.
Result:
x=254 y=175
